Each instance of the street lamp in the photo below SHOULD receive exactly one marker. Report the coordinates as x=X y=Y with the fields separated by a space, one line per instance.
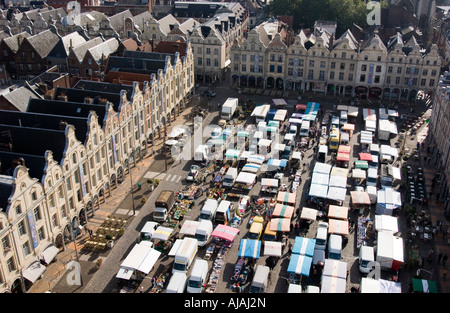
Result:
x=131 y=193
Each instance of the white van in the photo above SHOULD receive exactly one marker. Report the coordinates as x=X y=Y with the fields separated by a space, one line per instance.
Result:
x=343 y=118
x=177 y=283
x=335 y=247
x=185 y=255
x=260 y=279
x=198 y=276
x=203 y=232
x=202 y=153
x=304 y=128
x=366 y=259
x=223 y=212
x=293 y=129
x=321 y=235
x=372 y=176
x=230 y=177
x=294 y=288
x=148 y=230
x=209 y=209
x=312 y=289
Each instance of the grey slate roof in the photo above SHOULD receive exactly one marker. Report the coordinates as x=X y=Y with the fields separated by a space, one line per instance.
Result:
x=20 y=97
x=105 y=87
x=13 y=41
x=44 y=42
x=80 y=50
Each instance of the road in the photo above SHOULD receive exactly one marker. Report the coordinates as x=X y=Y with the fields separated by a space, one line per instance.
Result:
x=172 y=177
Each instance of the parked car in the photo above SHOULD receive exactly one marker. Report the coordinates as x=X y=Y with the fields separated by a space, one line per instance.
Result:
x=210 y=93
x=193 y=172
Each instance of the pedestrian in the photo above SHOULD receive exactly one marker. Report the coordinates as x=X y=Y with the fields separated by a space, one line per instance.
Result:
x=444 y=259
x=141 y=289
x=439 y=258
x=290 y=248
x=430 y=254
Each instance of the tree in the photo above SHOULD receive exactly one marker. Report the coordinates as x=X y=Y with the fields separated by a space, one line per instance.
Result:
x=306 y=12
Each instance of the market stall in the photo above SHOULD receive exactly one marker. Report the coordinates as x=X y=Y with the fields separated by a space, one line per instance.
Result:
x=337 y=194
x=280 y=115
x=283 y=211
x=272 y=248
x=335 y=268
x=308 y=214
x=225 y=232
x=318 y=191
x=304 y=246
x=337 y=181
x=139 y=262
x=338 y=212
x=232 y=154
x=349 y=128
x=249 y=248
x=322 y=168
x=386 y=222
x=189 y=193
x=217 y=267
x=370 y=285
x=331 y=284
x=365 y=140
x=365 y=157
x=286 y=197
x=280 y=224
x=189 y=227
x=251 y=168
x=363 y=165
x=269 y=185
x=256 y=159
x=160 y=238
x=245 y=180
x=338 y=227
x=299 y=266
x=320 y=179
x=424 y=286
x=279 y=102
x=360 y=200
x=343 y=156
x=387 y=201
x=277 y=163
x=359 y=175
x=364 y=229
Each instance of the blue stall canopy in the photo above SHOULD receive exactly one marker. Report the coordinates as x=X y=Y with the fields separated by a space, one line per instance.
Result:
x=304 y=246
x=249 y=248
x=300 y=264
x=277 y=162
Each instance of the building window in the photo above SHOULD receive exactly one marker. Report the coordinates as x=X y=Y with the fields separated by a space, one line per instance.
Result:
x=54 y=220
x=377 y=79
x=397 y=80
x=34 y=196
x=342 y=66
x=11 y=265
x=272 y=68
x=272 y=57
x=199 y=50
x=331 y=75
x=26 y=248
x=199 y=61
x=388 y=80
x=21 y=226
x=279 y=69
x=378 y=69
x=41 y=233
x=390 y=69
x=352 y=67
x=431 y=82
x=350 y=77
x=208 y=50
x=18 y=209
x=333 y=65
x=366 y=57
x=244 y=68
x=236 y=57
x=433 y=73
x=341 y=75
x=6 y=244
x=423 y=82
x=344 y=55
x=244 y=58
x=310 y=74
x=216 y=51
x=208 y=62
x=311 y=63
x=63 y=210
x=362 y=78
x=408 y=70
x=399 y=70
x=322 y=64
x=236 y=67
x=322 y=75
x=425 y=72
x=280 y=58
x=363 y=67
x=216 y=63
x=37 y=214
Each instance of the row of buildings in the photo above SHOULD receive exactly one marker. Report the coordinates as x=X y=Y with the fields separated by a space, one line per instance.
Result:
x=211 y=27
x=62 y=156
x=368 y=69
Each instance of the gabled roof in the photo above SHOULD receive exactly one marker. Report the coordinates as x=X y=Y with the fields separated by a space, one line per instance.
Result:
x=19 y=97
x=43 y=42
x=352 y=42
x=13 y=41
x=117 y=21
x=171 y=47
x=62 y=48
x=80 y=50
x=167 y=22
x=104 y=49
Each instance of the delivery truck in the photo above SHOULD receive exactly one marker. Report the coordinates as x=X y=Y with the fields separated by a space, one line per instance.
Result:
x=389 y=251
x=229 y=108
x=185 y=255
x=197 y=279
x=163 y=205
